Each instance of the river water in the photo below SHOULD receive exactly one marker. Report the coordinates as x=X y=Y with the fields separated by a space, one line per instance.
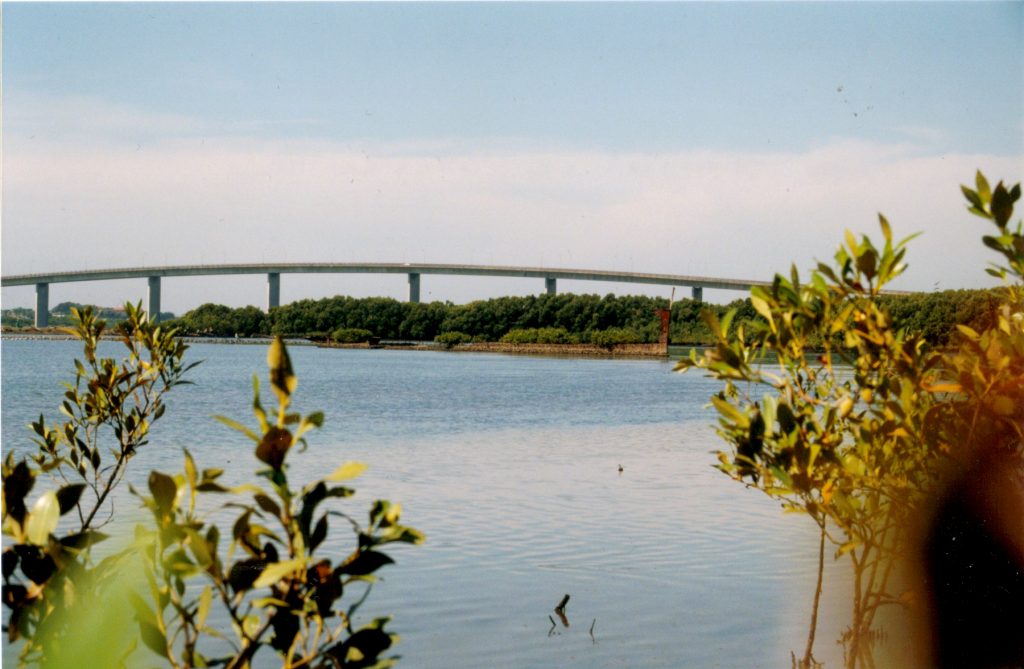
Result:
x=510 y=465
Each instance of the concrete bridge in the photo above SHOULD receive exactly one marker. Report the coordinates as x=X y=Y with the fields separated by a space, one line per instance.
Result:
x=413 y=270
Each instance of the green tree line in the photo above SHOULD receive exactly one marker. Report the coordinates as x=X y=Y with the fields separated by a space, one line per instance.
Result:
x=61 y=315
x=934 y=315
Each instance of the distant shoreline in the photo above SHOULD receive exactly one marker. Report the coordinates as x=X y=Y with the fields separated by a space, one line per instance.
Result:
x=54 y=334
x=566 y=350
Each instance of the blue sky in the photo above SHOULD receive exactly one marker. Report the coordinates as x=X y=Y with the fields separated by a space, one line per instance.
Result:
x=714 y=139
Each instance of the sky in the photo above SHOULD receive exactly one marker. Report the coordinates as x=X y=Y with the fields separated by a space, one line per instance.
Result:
x=725 y=139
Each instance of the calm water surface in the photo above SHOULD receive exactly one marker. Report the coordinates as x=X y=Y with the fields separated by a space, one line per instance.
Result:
x=510 y=466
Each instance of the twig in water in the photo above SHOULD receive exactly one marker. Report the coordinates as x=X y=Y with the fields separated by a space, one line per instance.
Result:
x=560 y=610
x=592 y=630
x=553 y=625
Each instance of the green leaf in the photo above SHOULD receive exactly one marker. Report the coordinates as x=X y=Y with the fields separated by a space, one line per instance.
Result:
x=972 y=197
x=164 y=490
x=1002 y=205
x=153 y=638
x=257 y=408
x=362 y=563
x=83 y=539
x=347 y=471
x=727 y=320
x=319 y=534
x=243 y=574
x=992 y=242
x=886 y=229
x=43 y=519
x=402 y=534
x=984 y=190
x=142 y=610
x=267 y=504
x=866 y=263
x=68 y=496
x=711 y=320
x=366 y=645
x=275 y=571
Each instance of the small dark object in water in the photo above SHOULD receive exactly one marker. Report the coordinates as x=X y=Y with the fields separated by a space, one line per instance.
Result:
x=620 y=469
x=560 y=610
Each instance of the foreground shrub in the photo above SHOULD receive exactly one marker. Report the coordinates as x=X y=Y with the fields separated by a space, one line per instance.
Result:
x=275 y=583
x=858 y=434
x=283 y=593
x=110 y=408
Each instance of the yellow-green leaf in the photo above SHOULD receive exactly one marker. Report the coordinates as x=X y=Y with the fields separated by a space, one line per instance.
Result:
x=235 y=425
x=968 y=332
x=851 y=241
x=349 y=470
x=886 y=230
x=393 y=514
x=275 y=571
x=205 y=600
x=43 y=519
x=761 y=307
x=730 y=412
x=199 y=547
x=190 y=470
x=846 y=548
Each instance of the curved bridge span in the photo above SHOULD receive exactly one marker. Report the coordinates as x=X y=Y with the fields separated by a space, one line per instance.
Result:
x=413 y=270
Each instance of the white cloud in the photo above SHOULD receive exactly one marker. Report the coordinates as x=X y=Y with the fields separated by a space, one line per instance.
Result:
x=90 y=203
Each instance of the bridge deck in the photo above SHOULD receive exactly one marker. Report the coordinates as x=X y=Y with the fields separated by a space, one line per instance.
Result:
x=385 y=268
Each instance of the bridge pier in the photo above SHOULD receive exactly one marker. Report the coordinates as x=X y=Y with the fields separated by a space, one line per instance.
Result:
x=42 y=305
x=697 y=292
x=153 y=303
x=549 y=285
x=273 y=290
x=414 y=287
